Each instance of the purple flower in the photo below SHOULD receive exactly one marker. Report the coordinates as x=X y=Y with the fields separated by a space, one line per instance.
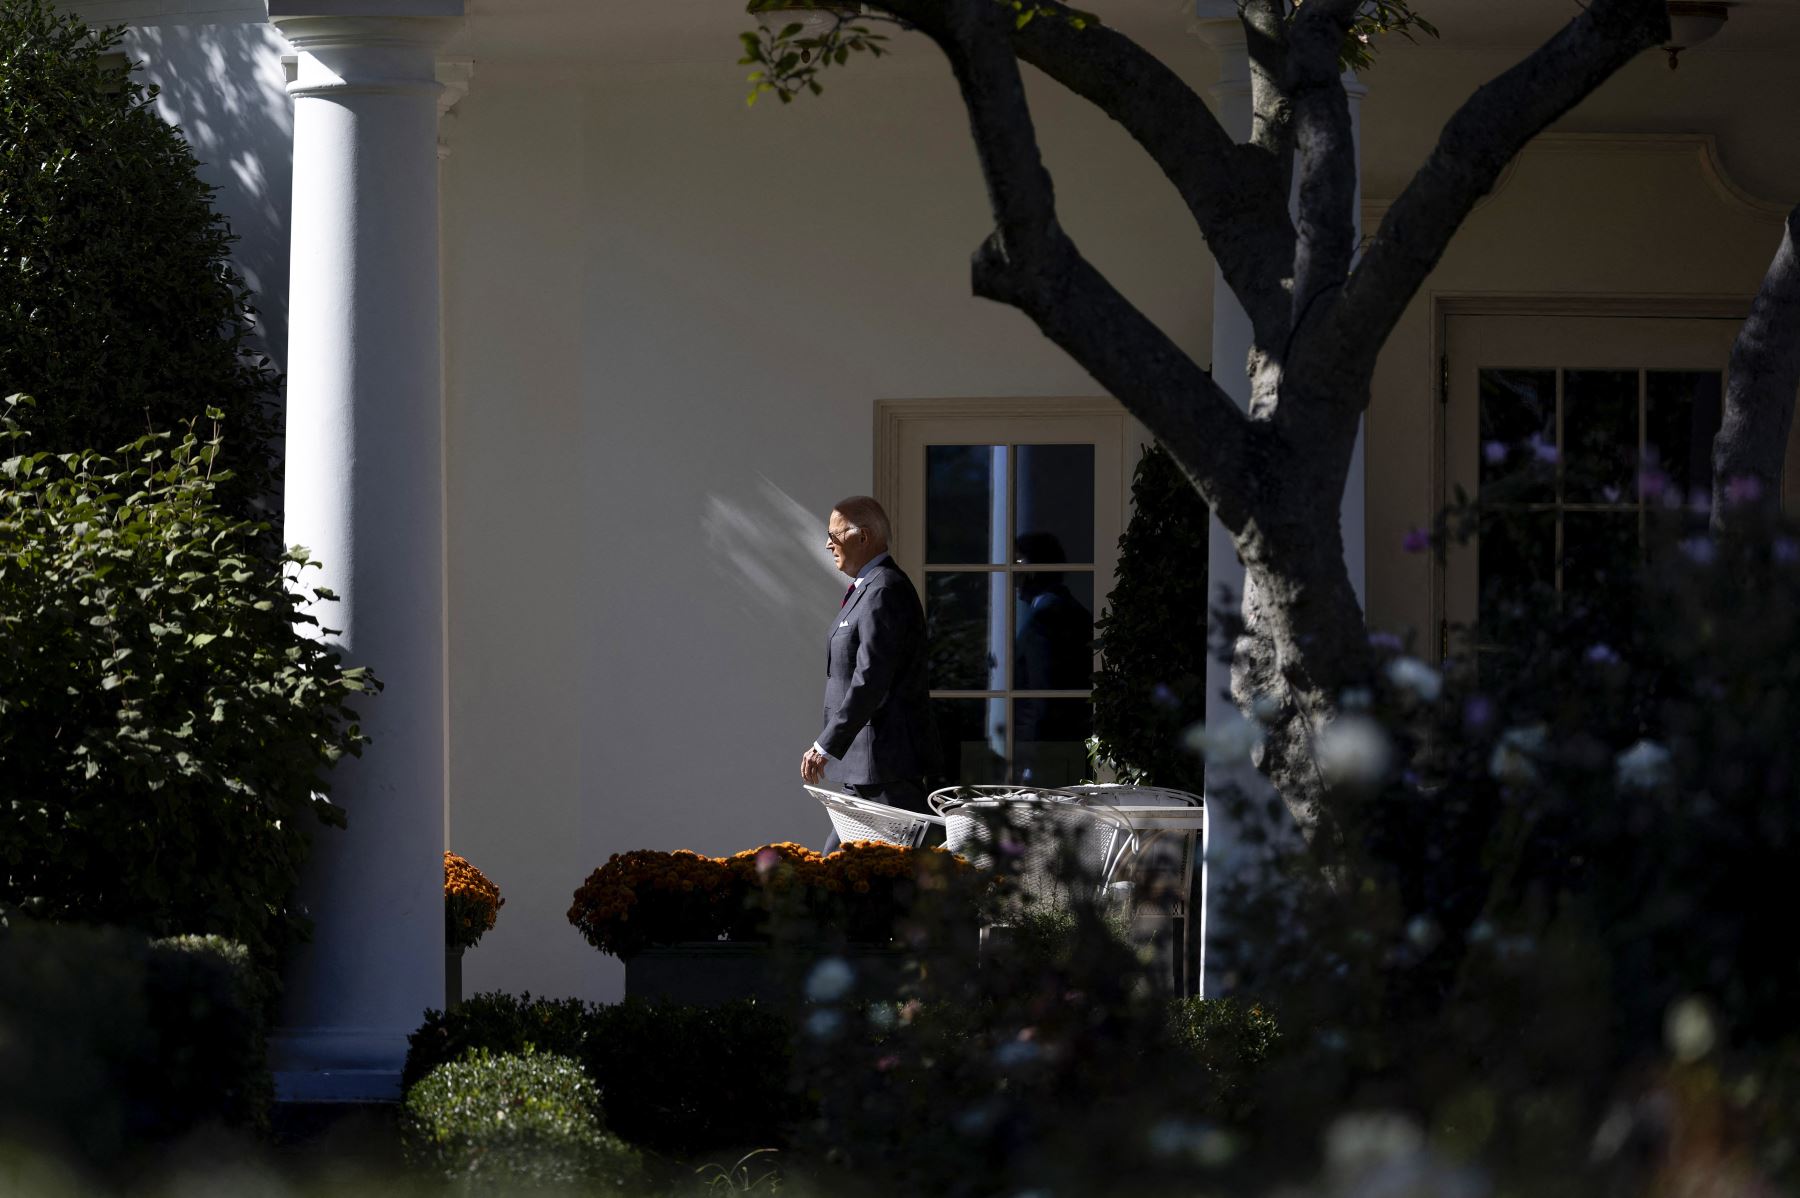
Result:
x=1652 y=482
x=1610 y=494
x=1417 y=541
x=1699 y=501
x=1478 y=712
x=1787 y=552
x=1385 y=641
x=1494 y=452
x=1743 y=489
x=1601 y=655
x=1162 y=696
x=1544 y=451
x=1699 y=550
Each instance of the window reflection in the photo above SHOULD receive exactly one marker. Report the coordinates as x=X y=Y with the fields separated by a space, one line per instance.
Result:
x=965 y=504
x=1055 y=497
x=1053 y=620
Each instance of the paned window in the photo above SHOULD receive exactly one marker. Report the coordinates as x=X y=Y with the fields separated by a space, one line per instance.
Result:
x=1569 y=432
x=1010 y=526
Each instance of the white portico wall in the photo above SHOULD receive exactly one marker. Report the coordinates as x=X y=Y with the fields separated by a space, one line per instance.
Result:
x=364 y=495
x=1217 y=24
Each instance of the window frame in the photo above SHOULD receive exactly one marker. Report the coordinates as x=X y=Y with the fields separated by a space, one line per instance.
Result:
x=1446 y=306
x=903 y=430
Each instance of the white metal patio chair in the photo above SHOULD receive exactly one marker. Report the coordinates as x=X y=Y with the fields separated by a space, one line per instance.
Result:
x=1166 y=862
x=853 y=818
x=1048 y=823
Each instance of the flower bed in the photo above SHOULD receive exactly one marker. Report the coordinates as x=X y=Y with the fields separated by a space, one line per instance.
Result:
x=861 y=893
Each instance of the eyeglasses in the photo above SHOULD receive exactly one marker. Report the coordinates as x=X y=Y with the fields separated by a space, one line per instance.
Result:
x=835 y=539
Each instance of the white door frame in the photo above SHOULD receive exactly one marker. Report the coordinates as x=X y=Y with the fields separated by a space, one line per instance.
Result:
x=1446 y=304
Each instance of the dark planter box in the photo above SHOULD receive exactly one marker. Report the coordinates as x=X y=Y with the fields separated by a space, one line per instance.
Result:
x=710 y=972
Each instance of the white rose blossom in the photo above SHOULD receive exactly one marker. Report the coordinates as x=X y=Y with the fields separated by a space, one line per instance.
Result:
x=1417 y=679
x=1226 y=740
x=1352 y=750
x=1644 y=766
x=1514 y=760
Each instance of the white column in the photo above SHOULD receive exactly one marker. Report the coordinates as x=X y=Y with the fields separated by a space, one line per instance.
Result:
x=1217 y=24
x=364 y=495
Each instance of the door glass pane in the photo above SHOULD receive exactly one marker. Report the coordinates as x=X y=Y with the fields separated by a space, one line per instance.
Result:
x=965 y=504
x=1600 y=552
x=1053 y=630
x=1518 y=434
x=1055 y=487
x=972 y=735
x=1050 y=740
x=965 y=622
x=1517 y=557
x=1681 y=409
x=1600 y=435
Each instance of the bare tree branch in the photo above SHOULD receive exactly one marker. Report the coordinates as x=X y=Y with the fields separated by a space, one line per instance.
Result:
x=1759 y=396
x=1272 y=121
x=1030 y=263
x=1484 y=135
x=1326 y=147
x=1237 y=194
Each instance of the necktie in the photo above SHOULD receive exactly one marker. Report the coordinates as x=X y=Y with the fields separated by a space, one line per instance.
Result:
x=848 y=591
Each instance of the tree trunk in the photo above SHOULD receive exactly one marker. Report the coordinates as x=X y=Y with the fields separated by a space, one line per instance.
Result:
x=1303 y=642
x=1759 y=398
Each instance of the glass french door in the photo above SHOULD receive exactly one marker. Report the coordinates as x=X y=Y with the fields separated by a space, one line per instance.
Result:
x=1010 y=526
x=1572 y=428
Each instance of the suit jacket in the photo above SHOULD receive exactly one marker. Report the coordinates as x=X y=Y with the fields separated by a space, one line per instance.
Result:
x=877 y=714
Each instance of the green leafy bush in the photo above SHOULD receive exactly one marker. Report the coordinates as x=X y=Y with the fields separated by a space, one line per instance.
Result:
x=673 y=1078
x=1228 y=1042
x=166 y=723
x=119 y=310
x=1151 y=685
x=1540 y=915
x=498 y=1022
x=496 y=1124
x=683 y=1079
x=112 y=1044
x=207 y=1000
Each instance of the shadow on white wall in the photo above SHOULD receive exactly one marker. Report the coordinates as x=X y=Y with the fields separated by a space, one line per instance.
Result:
x=773 y=547
x=224 y=88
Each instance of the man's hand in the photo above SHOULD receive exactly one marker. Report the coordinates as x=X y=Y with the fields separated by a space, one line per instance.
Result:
x=812 y=766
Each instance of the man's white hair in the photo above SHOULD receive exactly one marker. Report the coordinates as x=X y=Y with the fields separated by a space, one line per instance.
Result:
x=865 y=513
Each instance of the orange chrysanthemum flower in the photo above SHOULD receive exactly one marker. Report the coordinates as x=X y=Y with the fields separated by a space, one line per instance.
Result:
x=471 y=903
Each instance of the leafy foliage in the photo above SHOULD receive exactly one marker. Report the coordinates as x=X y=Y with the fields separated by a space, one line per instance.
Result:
x=498 y=1124
x=1052 y=1060
x=119 y=310
x=500 y=1023
x=1151 y=686
x=1378 y=17
x=790 y=57
x=112 y=1044
x=672 y=1078
x=1536 y=915
x=166 y=723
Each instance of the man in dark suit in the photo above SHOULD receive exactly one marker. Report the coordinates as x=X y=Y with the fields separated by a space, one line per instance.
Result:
x=878 y=725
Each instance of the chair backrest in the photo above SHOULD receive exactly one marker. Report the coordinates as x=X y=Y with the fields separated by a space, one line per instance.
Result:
x=1046 y=827
x=854 y=818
